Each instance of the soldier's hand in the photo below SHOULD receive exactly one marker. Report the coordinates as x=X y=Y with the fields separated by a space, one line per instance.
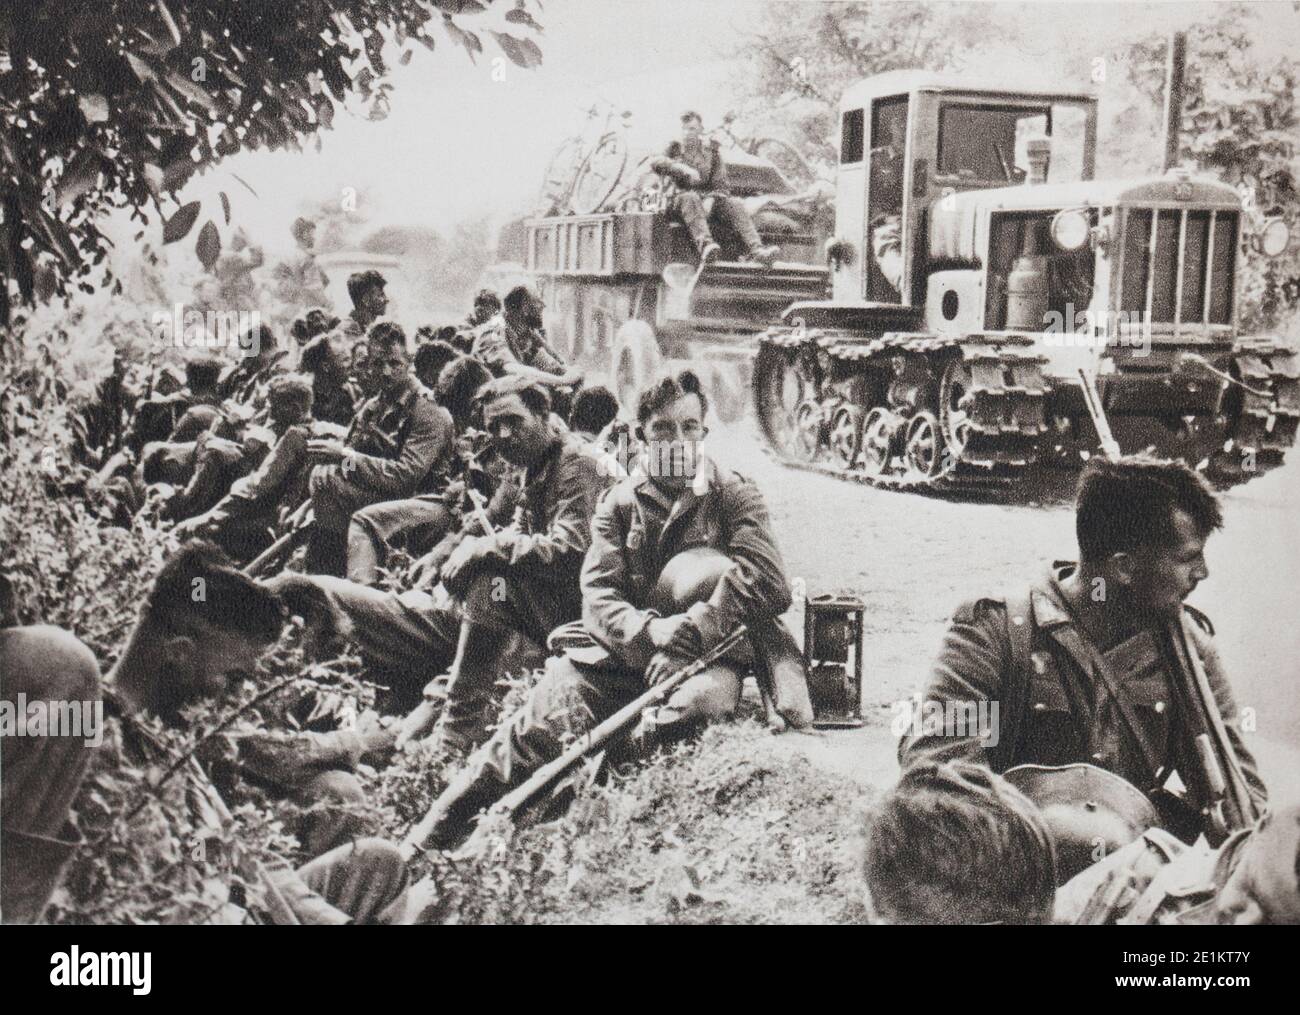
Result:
x=675 y=634
x=324 y=450
x=662 y=666
x=470 y=550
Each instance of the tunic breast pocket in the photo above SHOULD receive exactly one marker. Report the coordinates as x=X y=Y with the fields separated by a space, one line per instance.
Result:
x=1050 y=737
x=1149 y=697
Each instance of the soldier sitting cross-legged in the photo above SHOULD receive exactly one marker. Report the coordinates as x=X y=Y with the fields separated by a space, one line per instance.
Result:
x=681 y=553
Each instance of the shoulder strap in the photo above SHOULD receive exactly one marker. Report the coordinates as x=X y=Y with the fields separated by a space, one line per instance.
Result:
x=1015 y=682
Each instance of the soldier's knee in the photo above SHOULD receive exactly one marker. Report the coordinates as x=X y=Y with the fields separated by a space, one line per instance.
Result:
x=333 y=786
x=708 y=697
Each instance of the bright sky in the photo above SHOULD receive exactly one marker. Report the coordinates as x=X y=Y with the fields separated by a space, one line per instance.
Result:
x=458 y=144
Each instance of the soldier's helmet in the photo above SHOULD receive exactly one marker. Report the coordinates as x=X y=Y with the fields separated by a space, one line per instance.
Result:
x=1089 y=811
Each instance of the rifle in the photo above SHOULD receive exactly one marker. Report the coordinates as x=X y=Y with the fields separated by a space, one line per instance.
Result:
x=1227 y=806
x=301 y=520
x=517 y=799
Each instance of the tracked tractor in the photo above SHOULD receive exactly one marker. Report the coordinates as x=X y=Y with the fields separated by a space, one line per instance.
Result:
x=995 y=309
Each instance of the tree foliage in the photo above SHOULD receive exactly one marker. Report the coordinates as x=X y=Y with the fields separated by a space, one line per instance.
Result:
x=803 y=56
x=117 y=104
x=1239 y=123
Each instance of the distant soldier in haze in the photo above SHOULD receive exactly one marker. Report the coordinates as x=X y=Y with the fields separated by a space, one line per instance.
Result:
x=697 y=168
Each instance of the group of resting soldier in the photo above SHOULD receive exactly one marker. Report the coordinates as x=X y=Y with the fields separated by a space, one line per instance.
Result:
x=538 y=548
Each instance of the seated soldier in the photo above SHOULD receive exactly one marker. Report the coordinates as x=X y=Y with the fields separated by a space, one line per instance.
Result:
x=325 y=359
x=241 y=521
x=698 y=170
x=954 y=843
x=247 y=380
x=399 y=441
x=1253 y=878
x=679 y=507
x=419 y=522
x=159 y=418
x=219 y=462
x=511 y=587
x=182 y=650
x=487 y=305
x=514 y=342
x=1087 y=665
x=369 y=301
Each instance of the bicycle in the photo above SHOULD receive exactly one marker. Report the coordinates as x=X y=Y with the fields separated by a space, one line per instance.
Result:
x=586 y=169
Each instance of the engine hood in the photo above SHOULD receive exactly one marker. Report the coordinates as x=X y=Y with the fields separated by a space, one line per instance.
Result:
x=959 y=223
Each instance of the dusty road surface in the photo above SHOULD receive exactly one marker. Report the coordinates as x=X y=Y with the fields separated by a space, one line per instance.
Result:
x=912 y=559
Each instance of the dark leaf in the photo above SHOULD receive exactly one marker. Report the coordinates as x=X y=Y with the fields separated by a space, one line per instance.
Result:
x=176 y=227
x=406 y=57
x=225 y=206
x=208 y=245
x=519 y=16
x=523 y=52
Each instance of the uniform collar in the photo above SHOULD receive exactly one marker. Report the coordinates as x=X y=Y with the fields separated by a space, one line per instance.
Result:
x=1051 y=607
x=706 y=480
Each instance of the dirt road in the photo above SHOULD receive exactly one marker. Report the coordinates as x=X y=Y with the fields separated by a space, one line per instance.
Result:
x=912 y=559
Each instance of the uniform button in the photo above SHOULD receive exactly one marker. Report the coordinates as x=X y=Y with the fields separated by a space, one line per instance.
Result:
x=1099 y=756
x=1018 y=621
x=1160 y=706
x=1040 y=706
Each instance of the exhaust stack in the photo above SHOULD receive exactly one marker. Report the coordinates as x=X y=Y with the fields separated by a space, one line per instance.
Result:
x=1175 y=67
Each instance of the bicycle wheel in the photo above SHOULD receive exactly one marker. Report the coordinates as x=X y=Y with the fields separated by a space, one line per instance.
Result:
x=561 y=174
x=600 y=174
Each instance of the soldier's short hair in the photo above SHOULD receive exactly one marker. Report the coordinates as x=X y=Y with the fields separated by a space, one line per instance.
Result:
x=290 y=391
x=954 y=843
x=458 y=387
x=430 y=358
x=361 y=282
x=199 y=583
x=388 y=334
x=593 y=409
x=487 y=298
x=1128 y=503
x=534 y=396
x=668 y=389
x=314 y=322
x=202 y=371
x=516 y=296
x=691 y=116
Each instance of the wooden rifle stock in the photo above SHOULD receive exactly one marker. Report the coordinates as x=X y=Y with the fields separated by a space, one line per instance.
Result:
x=1228 y=806
x=515 y=801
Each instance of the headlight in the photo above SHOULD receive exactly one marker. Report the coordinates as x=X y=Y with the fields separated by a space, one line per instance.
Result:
x=1070 y=228
x=1275 y=238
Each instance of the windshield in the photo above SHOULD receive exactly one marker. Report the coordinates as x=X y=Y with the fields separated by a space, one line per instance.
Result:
x=990 y=143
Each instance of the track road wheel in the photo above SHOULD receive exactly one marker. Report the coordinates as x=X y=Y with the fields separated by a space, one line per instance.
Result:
x=809 y=428
x=845 y=435
x=923 y=450
x=955 y=402
x=877 y=435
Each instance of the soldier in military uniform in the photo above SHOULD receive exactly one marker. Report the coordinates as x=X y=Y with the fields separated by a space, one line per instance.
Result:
x=514 y=342
x=399 y=439
x=679 y=505
x=697 y=168
x=1254 y=877
x=1082 y=666
x=369 y=301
